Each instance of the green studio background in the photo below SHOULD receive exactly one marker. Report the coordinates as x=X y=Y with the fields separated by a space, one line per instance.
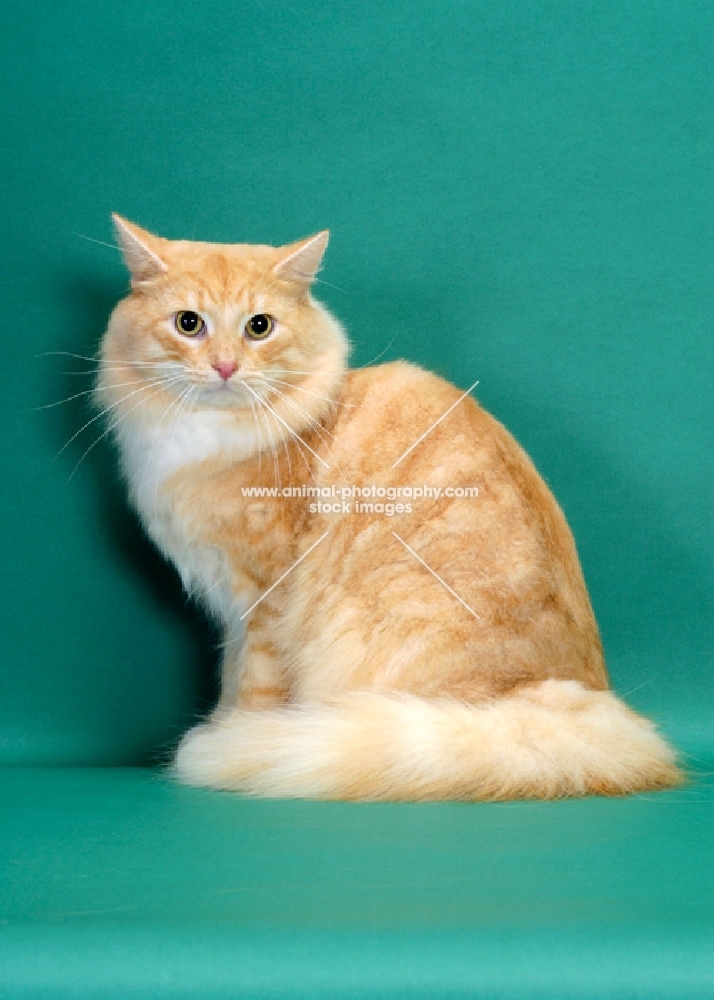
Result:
x=518 y=192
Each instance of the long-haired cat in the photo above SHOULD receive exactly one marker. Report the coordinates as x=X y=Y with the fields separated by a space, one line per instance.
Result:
x=443 y=647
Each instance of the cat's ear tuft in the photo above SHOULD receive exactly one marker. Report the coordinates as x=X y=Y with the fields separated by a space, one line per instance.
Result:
x=140 y=250
x=300 y=261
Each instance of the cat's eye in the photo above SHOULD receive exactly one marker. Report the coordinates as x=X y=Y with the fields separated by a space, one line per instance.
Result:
x=259 y=326
x=189 y=323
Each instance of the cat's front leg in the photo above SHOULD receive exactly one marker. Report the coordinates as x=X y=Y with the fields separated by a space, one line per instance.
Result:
x=252 y=674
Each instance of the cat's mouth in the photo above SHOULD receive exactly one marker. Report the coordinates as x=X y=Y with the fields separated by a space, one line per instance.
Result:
x=225 y=393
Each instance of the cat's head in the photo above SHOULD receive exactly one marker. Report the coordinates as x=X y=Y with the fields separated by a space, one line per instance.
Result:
x=217 y=325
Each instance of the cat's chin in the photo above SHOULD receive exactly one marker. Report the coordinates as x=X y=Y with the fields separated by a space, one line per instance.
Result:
x=224 y=397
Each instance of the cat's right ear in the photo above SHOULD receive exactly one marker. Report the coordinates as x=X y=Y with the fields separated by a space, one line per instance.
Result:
x=140 y=250
x=300 y=261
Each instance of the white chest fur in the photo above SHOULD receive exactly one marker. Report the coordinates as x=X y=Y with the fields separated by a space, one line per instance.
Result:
x=150 y=455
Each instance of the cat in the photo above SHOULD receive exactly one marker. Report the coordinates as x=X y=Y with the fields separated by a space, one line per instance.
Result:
x=443 y=647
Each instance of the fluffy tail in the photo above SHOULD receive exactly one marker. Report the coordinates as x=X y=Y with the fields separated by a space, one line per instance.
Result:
x=551 y=740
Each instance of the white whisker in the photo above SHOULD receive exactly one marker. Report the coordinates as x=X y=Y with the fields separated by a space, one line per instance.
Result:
x=155 y=367
x=112 y=246
x=87 y=392
x=299 y=448
x=257 y=429
x=321 y=281
x=291 y=385
x=316 y=426
x=308 y=466
x=286 y=425
x=273 y=448
x=381 y=353
x=287 y=452
x=160 y=382
x=286 y=449
x=297 y=444
x=282 y=371
x=114 y=423
x=105 y=365
x=271 y=439
x=67 y=354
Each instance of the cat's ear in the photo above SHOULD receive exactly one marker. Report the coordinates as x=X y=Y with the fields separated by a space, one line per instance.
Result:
x=141 y=250
x=300 y=261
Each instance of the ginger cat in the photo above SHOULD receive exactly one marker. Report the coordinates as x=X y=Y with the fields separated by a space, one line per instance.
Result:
x=440 y=646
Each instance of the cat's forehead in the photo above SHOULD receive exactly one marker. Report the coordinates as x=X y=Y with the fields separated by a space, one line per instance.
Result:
x=210 y=273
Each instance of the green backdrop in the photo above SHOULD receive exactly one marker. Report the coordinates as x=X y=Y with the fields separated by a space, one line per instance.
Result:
x=519 y=191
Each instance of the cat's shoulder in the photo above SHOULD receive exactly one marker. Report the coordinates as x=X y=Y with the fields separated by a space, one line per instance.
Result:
x=404 y=395
x=396 y=379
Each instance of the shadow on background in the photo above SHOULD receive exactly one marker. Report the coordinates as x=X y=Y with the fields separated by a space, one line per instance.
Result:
x=90 y=302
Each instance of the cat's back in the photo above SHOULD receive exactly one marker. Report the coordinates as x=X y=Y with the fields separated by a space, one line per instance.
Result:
x=404 y=418
x=495 y=531
x=411 y=427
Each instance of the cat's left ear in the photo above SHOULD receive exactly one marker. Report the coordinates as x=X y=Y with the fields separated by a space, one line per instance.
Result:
x=300 y=261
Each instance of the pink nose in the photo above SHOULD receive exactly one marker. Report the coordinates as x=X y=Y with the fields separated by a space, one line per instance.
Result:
x=225 y=368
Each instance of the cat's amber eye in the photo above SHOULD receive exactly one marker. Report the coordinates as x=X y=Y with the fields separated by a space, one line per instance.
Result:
x=259 y=326
x=189 y=323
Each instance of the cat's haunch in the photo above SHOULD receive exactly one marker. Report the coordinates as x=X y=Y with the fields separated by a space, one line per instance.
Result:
x=436 y=645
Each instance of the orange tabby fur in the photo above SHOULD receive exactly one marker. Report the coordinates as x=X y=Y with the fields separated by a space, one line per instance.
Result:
x=360 y=676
